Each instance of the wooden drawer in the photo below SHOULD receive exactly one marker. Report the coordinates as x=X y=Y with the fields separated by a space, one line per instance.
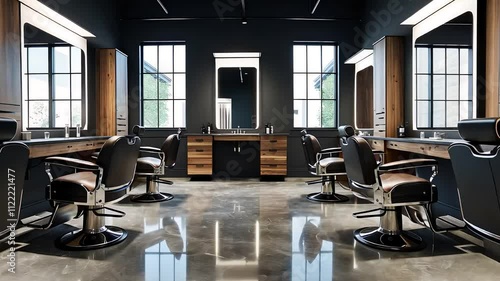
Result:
x=377 y=144
x=273 y=156
x=195 y=141
x=199 y=169
x=434 y=150
x=199 y=152
x=272 y=170
x=278 y=142
x=63 y=148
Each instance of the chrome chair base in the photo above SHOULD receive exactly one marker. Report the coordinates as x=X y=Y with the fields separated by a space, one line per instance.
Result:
x=152 y=197
x=80 y=240
x=327 y=197
x=404 y=241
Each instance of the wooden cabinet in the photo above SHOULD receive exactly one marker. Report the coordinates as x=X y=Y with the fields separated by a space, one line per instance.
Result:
x=388 y=55
x=199 y=155
x=273 y=155
x=112 y=93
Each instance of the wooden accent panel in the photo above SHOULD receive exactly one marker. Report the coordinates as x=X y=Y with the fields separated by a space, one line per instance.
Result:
x=241 y=137
x=435 y=150
x=199 y=155
x=377 y=144
x=45 y=150
x=273 y=155
x=492 y=58
x=112 y=93
x=394 y=85
x=364 y=98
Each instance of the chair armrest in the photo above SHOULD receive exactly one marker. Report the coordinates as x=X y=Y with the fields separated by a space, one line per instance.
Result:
x=150 y=149
x=72 y=163
x=328 y=151
x=407 y=164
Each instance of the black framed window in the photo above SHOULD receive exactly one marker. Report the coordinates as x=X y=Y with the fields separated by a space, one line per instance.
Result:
x=315 y=85
x=443 y=86
x=163 y=91
x=54 y=86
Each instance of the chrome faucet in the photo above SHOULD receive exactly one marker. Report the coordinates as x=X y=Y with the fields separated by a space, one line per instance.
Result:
x=239 y=130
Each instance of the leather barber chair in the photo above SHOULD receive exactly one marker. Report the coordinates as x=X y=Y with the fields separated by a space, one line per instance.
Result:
x=92 y=188
x=154 y=167
x=388 y=187
x=476 y=164
x=13 y=163
x=324 y=163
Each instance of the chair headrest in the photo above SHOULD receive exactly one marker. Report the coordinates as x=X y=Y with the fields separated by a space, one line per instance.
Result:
x=8 y=128
x=480 y=130
x=346 y=131
x=138 y=130
x=303 y=133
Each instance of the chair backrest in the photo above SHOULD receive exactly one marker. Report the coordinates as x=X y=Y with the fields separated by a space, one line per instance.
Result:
x=477 y=174
x=13 y=163
x=118 y=158
x=359 y=161
x=311 y=147
x=171 y=147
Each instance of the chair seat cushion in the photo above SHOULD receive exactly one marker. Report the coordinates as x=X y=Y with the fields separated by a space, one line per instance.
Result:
x=406 y=188
x=147 y=164
x=331 y=165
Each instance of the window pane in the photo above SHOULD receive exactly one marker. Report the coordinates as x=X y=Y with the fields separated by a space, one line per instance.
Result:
x=61 y=59
x=76 y=60
x=439 y=87
x=423 y=60
x=76 y=113
x=328 y=57
x=165 y=83
x=62 y=111
x=166 y=114
x=328 y=114
x=61 y=86
x=38 y=86
x=465 y=61
x=452 y=114
x=439 y=60
x=452 y=87
x=314 y=114
x=465 y=110
x=38 y=60
x=328 y=86
x=179 y=86
x=299 y=86
x=314 y=86
x=38 y=114
x=439 y=114
x=452 y=61
x=76 y=86
x=149 y=86
x=423 y=118
x=299 y=113
x=179 y=58
x=150 y=59
x=180 y=114
x=465 y=87
x=299 y=58
x=150 y=114
x=423 y=87
x=166 y=58
x=314 y=59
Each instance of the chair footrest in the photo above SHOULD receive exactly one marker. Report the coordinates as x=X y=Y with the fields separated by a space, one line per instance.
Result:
x=314 y=181
x=447 y=222
x=366 y=214
x=40 y=221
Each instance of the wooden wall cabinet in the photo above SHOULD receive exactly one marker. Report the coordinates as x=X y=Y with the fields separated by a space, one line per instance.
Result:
x=199 y=155
x=273 y=155
x=112 y=93
x=388 y=55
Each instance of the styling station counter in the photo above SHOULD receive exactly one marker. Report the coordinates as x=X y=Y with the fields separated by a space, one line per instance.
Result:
x=56 y=146
x=265 y=152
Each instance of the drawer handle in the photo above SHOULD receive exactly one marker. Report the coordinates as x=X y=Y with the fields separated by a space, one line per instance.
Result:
x=273 y=141
x=199 y=165
x=199 y=140
x=273 y=150
x=199 y=150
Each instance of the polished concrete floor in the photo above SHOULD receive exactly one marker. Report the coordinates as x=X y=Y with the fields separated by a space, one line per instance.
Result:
x=244 y=230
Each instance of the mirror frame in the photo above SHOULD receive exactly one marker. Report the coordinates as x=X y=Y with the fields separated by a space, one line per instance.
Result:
x=361 y=60
x=438 y=18
x=47 y=20
x=225 y=60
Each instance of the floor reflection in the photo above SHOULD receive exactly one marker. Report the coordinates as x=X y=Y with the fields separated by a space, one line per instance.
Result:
x=166 y=260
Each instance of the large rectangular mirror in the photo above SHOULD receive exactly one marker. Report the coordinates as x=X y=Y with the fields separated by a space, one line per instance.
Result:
x=363 y=88
x=444 y=67
x=237 y=92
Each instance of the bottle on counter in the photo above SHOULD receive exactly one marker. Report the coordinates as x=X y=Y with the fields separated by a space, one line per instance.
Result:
x=267 y=128
x=401 y=131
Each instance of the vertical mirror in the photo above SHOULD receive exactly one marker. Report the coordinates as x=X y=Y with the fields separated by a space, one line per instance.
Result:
x=237 y=90
x=363 y=89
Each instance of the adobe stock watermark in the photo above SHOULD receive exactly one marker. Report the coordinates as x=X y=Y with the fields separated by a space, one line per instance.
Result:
x=223 y=6
x=11 y=219
x=372 y=29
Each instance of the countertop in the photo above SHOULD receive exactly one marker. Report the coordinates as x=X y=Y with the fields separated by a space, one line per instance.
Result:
x=417 y=140
x=61 y=140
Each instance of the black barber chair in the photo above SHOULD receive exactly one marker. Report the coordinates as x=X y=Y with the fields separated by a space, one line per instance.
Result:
x=92 y=188
x=386 y=186
x=13 y=163
x=154 y=167
x=326 y=164
x=476 y=164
